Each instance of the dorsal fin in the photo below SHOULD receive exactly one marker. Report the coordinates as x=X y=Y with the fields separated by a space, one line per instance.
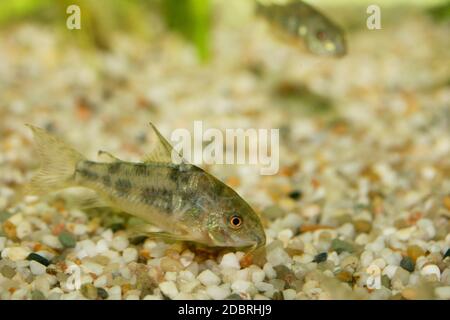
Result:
x=162 y=151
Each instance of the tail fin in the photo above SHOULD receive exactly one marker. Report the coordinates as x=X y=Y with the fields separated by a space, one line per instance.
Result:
x=58 y=162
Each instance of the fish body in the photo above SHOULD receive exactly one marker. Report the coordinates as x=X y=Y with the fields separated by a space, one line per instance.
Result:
x=181 y=199
x=300 y=22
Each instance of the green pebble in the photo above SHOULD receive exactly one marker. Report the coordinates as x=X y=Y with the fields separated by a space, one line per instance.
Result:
x=38 y=258
x=67 y=239
x=37 y=295
x=89 y=291
x=341 y=246
x=102 y=293
x=321 y=257
x=8 y=272
x=5 y=215
x=407 y=263
x=385 y=281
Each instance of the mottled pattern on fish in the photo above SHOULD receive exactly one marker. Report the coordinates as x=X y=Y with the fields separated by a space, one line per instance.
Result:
x=301 y=21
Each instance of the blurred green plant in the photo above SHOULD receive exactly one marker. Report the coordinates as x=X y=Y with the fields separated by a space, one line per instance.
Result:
x=441 y=12
x=192 y=19
x=100 y=18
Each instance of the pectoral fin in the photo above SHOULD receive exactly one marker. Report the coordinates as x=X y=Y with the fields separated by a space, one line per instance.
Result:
x=147 y=230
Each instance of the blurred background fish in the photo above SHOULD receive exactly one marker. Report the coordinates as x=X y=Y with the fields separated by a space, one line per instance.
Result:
x=300 y=22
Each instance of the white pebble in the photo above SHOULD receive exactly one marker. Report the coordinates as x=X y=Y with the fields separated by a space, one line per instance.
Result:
x=239 y=286
x=16 y=219
x=170 y=276
x=379 y=262
x=426 y=225
x=269 y=271
x=289 y=294
x=264 y=286
x=101 y=281
x=36 y=268
x=16 y=253
x=443 y=292
x=169 y=289
x=185 y=275
x=431 y=269
x=285 y=235
x=51 y=241
x=366 y=258
x=107 y=235
x=120 y=243
x=278 y=256
x=23 y=229
x=347 y=230
x=115 y=293
x=258 y=276
x=102 y=246
x=405 y=233
x=230 y=260
x=130 y=254
x=218 y=293
x=189 y=286
x=390 y=271
x=80 y=229
x=92 y=267
x=208 y=278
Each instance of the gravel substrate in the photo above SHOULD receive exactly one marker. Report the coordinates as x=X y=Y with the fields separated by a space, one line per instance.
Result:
x=363 y=193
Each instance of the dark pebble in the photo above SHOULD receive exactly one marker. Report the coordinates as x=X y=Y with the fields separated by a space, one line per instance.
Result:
x=321 y=257
x=117 y=226
x=102 y=293
x=407 y=264
x=447 y=254
x=137 y=240
x=67 y=239
x=295 y=195
x=38 y=258
x=285 y=274
x=277 y=295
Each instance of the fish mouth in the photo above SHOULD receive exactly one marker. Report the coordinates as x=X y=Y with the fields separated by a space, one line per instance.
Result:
x=260 y=241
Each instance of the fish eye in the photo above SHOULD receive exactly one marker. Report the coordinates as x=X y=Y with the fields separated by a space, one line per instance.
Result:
x=235 y=221
x=321 y=35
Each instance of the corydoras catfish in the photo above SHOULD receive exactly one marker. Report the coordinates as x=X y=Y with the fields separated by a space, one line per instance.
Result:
x=181 y=199
x=302 y=23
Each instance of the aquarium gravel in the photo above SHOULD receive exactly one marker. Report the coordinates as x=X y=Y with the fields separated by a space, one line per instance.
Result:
x=360 y=207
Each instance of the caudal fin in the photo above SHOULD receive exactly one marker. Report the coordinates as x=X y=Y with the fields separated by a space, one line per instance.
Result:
x=58 y=162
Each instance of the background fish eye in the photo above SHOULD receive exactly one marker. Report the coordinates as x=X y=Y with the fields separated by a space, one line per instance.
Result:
x=321 y=35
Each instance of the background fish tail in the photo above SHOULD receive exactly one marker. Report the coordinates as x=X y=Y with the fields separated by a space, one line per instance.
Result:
x=58 y=162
